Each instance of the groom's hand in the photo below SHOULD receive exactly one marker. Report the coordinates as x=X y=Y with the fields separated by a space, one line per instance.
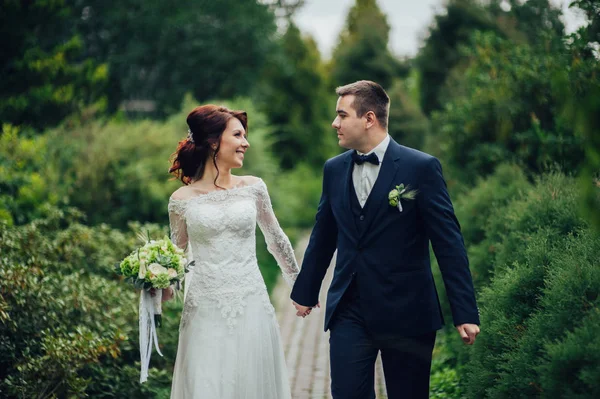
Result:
x=303 y=311
x=468 y=332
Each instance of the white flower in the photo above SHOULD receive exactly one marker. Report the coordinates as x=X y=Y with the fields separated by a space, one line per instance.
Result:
x=155 y=268
x=172 y=272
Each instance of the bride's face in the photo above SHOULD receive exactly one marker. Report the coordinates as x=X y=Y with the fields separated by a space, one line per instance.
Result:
x=234 y=143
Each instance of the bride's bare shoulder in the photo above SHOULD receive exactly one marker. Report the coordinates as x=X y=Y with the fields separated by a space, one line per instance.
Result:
x=182 y=193
x=250 y=180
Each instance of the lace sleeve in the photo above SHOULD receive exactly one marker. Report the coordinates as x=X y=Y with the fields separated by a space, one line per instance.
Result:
x=179 y=236
x=278 y=243
x=177 y=224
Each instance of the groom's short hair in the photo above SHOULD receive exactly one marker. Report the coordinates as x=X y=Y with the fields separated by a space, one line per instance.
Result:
x=368 y=96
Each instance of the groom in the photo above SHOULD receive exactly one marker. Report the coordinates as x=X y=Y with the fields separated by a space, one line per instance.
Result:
x=382 y=297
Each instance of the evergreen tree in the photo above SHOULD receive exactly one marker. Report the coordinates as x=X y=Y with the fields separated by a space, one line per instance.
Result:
x=159 y=51
x=407 y=124
x=578 y=88
x=362 y=52
x=440 y=53
x=296 y=101
x=45 y=74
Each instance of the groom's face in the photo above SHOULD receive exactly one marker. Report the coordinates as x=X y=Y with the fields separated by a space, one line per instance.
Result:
x=350 y=128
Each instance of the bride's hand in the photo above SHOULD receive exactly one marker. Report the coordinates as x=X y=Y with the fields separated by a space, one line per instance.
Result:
x=167 y=293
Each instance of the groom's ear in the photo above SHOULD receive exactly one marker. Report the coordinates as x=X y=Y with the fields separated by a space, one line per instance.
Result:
x=370 y=119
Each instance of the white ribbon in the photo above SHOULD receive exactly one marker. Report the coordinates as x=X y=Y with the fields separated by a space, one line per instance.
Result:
x=400 y=199
x=149 y=306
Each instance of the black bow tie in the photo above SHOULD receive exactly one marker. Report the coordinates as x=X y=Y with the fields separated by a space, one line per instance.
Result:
x=360 y=159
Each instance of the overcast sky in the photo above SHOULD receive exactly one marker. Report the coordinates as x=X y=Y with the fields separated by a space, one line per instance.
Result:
x=409 y=19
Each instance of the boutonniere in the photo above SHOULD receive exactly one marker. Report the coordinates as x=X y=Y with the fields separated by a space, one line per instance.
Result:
x=401 y=193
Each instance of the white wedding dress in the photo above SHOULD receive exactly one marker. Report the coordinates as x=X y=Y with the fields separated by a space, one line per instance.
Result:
x=229 y=341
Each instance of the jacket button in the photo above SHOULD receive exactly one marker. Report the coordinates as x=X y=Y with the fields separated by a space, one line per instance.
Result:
x=362 y=217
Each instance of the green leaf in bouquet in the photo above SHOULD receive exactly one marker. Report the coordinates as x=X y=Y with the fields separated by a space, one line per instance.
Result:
x=163 y=259
x=141 y=237
x=139 y=283
x=187 y=267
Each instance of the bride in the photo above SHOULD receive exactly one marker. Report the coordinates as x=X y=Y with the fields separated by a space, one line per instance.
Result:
x=229 y=341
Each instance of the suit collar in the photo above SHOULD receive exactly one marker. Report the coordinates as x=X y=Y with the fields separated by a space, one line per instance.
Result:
x=380 y=149
x=393 y=151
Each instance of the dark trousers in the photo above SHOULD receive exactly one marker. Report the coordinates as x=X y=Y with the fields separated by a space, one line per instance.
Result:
x=353 y=352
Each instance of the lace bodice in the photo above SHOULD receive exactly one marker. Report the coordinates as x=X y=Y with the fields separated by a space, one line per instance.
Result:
x=218 y=229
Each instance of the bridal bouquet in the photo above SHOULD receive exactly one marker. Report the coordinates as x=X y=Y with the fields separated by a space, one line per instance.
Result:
x=157 y=265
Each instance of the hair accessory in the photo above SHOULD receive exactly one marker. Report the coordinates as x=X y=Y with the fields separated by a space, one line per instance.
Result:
x=190 y=137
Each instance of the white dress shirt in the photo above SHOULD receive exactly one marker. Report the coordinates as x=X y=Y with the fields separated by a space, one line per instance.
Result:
x=365 y=175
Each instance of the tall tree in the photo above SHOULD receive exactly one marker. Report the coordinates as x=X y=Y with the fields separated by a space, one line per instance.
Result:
x=284 y=8
x=535 y=22
x=538 y=20
x=578 y=88
x=508 y=110
x=440 y=52
x=159 y=51
x=407 y=124
x=296 y=101
x=362 y=51
x=45 y=74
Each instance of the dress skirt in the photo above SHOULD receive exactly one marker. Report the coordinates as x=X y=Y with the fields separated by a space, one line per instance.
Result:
x=224 y=357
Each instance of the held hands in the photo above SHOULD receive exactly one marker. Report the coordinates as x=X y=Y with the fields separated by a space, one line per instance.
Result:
x=468 y=332
x=303 y=311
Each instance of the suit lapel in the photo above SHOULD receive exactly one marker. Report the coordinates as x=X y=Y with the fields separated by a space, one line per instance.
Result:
x=348 y=192
x=379 y=194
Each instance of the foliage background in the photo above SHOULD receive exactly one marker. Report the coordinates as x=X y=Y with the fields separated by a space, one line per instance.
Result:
x=93 y=101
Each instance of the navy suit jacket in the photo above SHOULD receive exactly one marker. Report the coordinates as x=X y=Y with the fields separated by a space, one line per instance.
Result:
x=390 y=260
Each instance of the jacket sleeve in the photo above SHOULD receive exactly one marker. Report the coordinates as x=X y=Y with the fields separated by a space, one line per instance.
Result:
x=319 y=252
x=443 y=231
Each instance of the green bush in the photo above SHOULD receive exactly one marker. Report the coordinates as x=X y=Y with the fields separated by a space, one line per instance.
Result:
x=27 y=179
x=514 y=232
x=68 y=325
x=473 y=209
x=507 y=183
x=551 y=204
x=296 y=196
x=573 y=366
x=117 y=171
x=537 y=313
x=444 y=383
